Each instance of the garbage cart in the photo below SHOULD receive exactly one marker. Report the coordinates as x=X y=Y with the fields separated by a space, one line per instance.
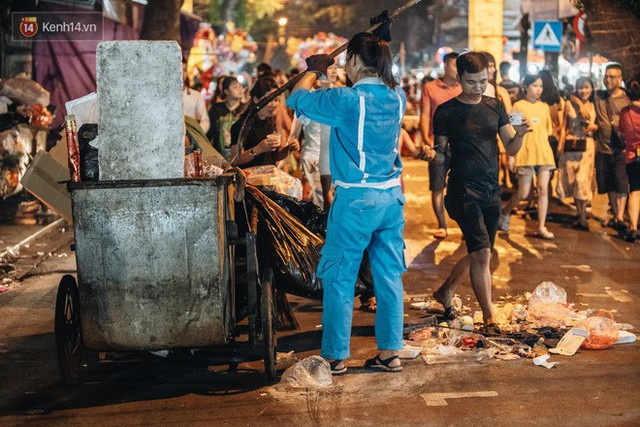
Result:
x=157 y=262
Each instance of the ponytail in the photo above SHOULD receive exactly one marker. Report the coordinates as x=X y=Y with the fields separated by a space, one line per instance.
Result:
x=375 y=56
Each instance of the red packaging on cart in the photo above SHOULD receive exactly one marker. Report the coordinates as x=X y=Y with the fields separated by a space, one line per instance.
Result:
x=197 y=164
x=73 y=149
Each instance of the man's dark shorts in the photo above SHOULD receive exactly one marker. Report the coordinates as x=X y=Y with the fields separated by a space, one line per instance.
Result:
x=611 y=173
x=477 y=216
x=438 y=173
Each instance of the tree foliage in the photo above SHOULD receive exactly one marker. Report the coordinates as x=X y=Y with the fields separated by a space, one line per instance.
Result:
x=342 y=17
x=264 y=8
x=245 y=13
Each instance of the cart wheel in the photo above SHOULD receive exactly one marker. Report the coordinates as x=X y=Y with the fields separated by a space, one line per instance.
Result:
x=267 y=322
x=67 y=330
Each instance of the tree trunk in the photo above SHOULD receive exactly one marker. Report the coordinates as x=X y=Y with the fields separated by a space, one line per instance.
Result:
x=161 y=20
x=229 y=8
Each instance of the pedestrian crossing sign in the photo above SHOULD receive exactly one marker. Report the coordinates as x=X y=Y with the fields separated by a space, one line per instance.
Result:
x=547 y=35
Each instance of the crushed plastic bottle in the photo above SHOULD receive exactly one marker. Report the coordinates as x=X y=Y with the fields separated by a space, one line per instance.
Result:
x=311 y=373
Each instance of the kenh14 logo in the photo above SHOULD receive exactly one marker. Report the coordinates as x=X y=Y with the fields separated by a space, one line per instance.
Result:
x=29 y=26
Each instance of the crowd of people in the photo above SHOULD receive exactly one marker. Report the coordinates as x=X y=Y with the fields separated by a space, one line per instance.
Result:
x=341 y=132
x=582 y=141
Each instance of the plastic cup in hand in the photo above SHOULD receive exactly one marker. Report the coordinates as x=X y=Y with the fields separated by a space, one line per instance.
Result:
x=277 y=138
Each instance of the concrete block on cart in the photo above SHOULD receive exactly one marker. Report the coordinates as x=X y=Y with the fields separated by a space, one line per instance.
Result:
x=141 y=118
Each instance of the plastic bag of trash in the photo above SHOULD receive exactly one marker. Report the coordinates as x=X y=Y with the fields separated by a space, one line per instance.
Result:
x=548 y=292
x=271 y=178
x=288 y=248
x=87 y=135
x=24 y=91
x=603 y=330
x=315 y=220
x=549 y=314
x=306 y=212
x=312 y=372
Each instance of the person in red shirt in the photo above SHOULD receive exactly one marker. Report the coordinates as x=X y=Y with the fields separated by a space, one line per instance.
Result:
x=629 y=131
x=434 y=93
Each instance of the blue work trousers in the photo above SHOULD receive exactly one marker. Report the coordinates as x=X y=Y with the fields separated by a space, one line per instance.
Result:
x=359 y=219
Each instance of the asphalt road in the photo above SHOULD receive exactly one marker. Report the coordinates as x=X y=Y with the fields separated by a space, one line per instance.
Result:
x=591 y=388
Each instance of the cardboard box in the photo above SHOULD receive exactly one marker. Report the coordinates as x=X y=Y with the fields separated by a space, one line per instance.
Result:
x=59 y=153
x=46 y=179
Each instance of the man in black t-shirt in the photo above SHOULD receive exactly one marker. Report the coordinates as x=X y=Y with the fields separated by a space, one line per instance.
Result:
x=468 y=124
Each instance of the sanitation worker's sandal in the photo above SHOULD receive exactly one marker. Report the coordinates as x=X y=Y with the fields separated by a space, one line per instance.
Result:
x=337 y=367
x=376 y=363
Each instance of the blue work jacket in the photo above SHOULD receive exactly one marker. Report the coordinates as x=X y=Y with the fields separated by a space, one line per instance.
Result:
x=365 y=125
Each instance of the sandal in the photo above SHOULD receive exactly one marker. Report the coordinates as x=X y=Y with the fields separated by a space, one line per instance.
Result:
x=335 y=370
x=384 y=365
x=369 y=305
x=544 y=234
x=490 y=329
x=450 y=313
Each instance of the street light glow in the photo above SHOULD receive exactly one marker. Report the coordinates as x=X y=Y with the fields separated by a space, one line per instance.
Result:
x=283 y=21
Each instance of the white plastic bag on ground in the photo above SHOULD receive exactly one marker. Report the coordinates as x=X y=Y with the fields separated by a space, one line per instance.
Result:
x=312 y=372
x=548 y=292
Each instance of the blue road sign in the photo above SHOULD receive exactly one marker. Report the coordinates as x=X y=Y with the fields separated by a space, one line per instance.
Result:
x=547 y=35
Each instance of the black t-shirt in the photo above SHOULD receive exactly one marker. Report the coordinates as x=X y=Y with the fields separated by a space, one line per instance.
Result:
x=256 y=130
x=471 y=130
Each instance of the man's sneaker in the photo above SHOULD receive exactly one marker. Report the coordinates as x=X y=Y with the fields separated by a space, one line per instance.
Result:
x=617 y=225
x=503 y=222
x=623 y=230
